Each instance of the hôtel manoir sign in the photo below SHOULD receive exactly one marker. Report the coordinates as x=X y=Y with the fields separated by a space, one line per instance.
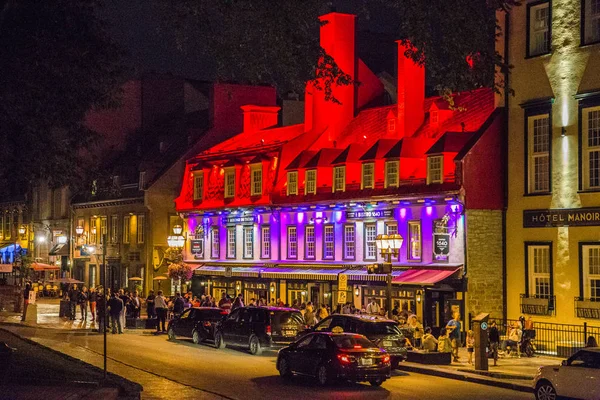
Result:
x=561 y=217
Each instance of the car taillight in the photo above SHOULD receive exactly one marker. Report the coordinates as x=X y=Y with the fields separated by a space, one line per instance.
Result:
x=386 y=359
x=207 y=323
x=268 y=329
x=358 y=346
x=344 y=359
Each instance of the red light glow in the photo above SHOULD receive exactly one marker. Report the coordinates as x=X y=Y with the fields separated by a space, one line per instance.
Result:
x=343 y=358
x=386 y=359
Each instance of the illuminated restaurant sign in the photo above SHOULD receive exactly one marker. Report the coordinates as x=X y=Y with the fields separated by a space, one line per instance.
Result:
x=369 y=214
x=239 y=219
x=561 y=217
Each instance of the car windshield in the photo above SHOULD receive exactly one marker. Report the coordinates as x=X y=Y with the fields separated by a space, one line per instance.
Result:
x=352 y=342
x=381 y=328
x=286 y=317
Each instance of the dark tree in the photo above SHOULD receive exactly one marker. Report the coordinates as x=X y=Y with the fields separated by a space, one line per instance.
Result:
x=57 y=63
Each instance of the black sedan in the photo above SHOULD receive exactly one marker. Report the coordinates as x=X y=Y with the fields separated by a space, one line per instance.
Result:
x=331 y=356
x=198 y=323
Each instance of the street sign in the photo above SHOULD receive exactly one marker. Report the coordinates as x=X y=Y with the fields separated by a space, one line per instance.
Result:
x=341 y=297
x=484 y=326
x=342 y=282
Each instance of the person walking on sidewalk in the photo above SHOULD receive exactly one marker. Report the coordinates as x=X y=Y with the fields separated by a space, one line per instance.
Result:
x=93 y=298
x=161 y=311
x=136 y=305
x=470 y=345
x=101 y=303
x=453 y=328
x=150 y=305
x=115 y=309
x=73 y=299
x=82 y=300
x=494 y=339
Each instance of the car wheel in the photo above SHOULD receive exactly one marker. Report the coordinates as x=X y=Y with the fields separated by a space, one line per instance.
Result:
x=255 y=348
x=545 y=391
x=196 y=338
x=377 y=382
x=284 y=369
x=323 y=375
x=171 y=334
x=219 y=342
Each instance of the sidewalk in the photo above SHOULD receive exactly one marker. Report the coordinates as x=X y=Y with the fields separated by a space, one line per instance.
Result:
x=512 y=372
x=47 y=317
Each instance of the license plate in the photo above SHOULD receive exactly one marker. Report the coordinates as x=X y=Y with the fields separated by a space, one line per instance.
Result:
x=366 y=361
x=289 y=333
x=388 y=343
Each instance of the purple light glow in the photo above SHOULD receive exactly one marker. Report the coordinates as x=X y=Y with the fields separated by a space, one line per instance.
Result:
x=191 y=225
x=300 y=217
x=338 y=216
x=429 y=210
x=402 y=212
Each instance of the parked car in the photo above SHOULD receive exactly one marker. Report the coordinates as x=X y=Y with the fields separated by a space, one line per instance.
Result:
x=258 y=328
x=383 y=332
x=330 y=356
x=576 y=378
x=198 y=323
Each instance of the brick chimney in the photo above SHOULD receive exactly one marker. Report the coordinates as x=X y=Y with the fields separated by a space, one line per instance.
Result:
x=411 y=93
x=259 y=117
x=338 y=39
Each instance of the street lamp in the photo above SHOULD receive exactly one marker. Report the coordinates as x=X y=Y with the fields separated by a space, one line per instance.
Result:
x=176 y=241
x=92 y=251
x=388 y=246
x=79 y=230
x=23 y=231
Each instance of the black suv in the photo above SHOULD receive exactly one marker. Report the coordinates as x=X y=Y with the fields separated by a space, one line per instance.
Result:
x=198 y=323
x=383 y=332
x=257 y=328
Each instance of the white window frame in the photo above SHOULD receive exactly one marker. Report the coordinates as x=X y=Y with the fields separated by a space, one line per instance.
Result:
x=231 y=242
x=256 y=176
x=248 y=233
x=292 y=183
x=328 y=242
x=539 y=158
x=310 y=185
x=141 y=226
x=104 y=228
x=349 y=242
x=229 y=190
x=415 y=241
x=370 y=229
x=368 y=176
x=126 y=229
x=391 y=228
x=435 y=169
x=590 y=122
x=591 y=20
x=198 y=186
x=265 y=242
x=339 y=179
x=535 y=256
x=588 y=275
x=539 y=29
x=310 y=243
x=215 y=249
x=392 y=177
x=292 y=242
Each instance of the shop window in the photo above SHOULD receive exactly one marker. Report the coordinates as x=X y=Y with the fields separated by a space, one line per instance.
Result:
x=265 y=242
x=126 y=228
x=231 y=242
x=414 y=240
x=538 y=150
x=248 y=241
x=391 y=228
x=538 y=28
x=292 y=242
x=198 y=186
x=591 y=272
x=104 y=228
x=590 y=147
x=368 y=170
x=310 y=242
x=141 y=228
x=230 y=183
x=114 y=228
x=391 y=173
x=256 y=174
x=434 y=169
x=214 y=242
x=292 y=183
x=328 y=242
x=311 y=182
x=339 y=179
x=349 y=242
x=590 y=21
x=539 y=270
x=370 y=246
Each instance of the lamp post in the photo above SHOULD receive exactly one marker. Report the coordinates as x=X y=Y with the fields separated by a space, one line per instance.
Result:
x=176 y=244
x=92 y=251
x=388 y=246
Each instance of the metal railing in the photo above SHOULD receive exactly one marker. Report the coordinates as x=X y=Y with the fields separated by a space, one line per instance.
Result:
x=538 y=305
x=587 y=308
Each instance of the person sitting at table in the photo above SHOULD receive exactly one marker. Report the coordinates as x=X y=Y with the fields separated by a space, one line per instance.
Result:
x=429 y=341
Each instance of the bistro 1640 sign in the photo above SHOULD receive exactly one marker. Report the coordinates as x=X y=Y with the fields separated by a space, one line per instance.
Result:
x=561 y=217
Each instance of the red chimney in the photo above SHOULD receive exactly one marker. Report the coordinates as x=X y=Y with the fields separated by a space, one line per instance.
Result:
x=259 y=117
x=411 y=93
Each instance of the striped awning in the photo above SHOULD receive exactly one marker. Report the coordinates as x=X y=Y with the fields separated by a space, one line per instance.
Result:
x=362 y=275
x=244 y=272
x=322 y=274
x=423 y=277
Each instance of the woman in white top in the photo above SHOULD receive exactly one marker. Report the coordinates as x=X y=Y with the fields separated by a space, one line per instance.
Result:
x=160 y=305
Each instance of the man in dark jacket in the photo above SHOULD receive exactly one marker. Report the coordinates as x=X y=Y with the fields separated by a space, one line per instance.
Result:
x=178 y=304
x=115 y=307
x=150 y=305
x=73 y=299
x=494 y=338
x=100 y=303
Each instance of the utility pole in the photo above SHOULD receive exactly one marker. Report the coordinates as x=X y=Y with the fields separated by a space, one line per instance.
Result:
x=105 y=299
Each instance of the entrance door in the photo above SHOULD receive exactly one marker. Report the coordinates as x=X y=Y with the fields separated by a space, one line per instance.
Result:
x=433 y=311
x=114 y=276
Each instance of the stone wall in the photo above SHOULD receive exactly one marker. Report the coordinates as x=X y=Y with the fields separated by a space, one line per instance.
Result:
x=484 y=262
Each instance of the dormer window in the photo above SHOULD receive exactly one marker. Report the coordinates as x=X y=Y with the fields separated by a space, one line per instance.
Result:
x=391 y=125
x=339 y=179
x=368 y=170
x=256 y=176
x=292 y=183
x=391 y=173
x=434 y=169
x=310 y=187
x=229 y=183
x=198 y=186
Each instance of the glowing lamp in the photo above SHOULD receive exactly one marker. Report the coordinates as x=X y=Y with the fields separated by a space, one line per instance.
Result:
x=303 y=293
x=41 y=239
x=176 y=241
x=90 y=249
x=237 y=287
x=22 y=230
x=94 y=230
x=418 y=296
x=61 y=239
x=177 y=229
x=272 y=289
x=356 y=292
x=79 y=230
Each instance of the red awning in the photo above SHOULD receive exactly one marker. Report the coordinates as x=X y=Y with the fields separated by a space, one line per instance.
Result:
x=423 y=276
x=43 y=267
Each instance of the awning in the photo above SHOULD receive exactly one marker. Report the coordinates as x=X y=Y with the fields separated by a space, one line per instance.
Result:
x=6 y=268
x=422 y=277
x=43 y=267
x=323 y=274
x=59 y=249
x=244 y=272
x=362 y=275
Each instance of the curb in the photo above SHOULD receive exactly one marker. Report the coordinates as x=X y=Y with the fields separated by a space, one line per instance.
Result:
x=21 y=325
x=468 y=377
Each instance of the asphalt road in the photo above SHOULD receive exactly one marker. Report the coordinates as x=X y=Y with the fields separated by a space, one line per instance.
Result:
x=235 y=374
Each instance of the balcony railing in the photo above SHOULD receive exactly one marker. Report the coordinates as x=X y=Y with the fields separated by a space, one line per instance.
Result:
x=587 y=308
x=538 y=305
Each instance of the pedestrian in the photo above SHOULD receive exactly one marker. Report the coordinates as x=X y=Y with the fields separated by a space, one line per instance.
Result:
x=82 y=300
x=93 y=299
x=125 y=299
x=470 y=345
x=417 y=329
x=429 y=341
x=136 y=304
x=115 y=310
x=373 y=307
x=238 y=302
x=323 y=313
x=494 y=339
x=309 y=316
x=280 y=303
x=178 y=304
x=454 y=329
x=225 y=303
x=591 y=342
x=160 y=305
x=101 y=304
x=150 y=305
x=444 y=344
x=514 y=338
x=73 y=296
x=26 y=292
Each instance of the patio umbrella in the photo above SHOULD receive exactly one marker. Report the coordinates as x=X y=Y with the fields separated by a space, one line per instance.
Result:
x=136 y=278
x=160 y=278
